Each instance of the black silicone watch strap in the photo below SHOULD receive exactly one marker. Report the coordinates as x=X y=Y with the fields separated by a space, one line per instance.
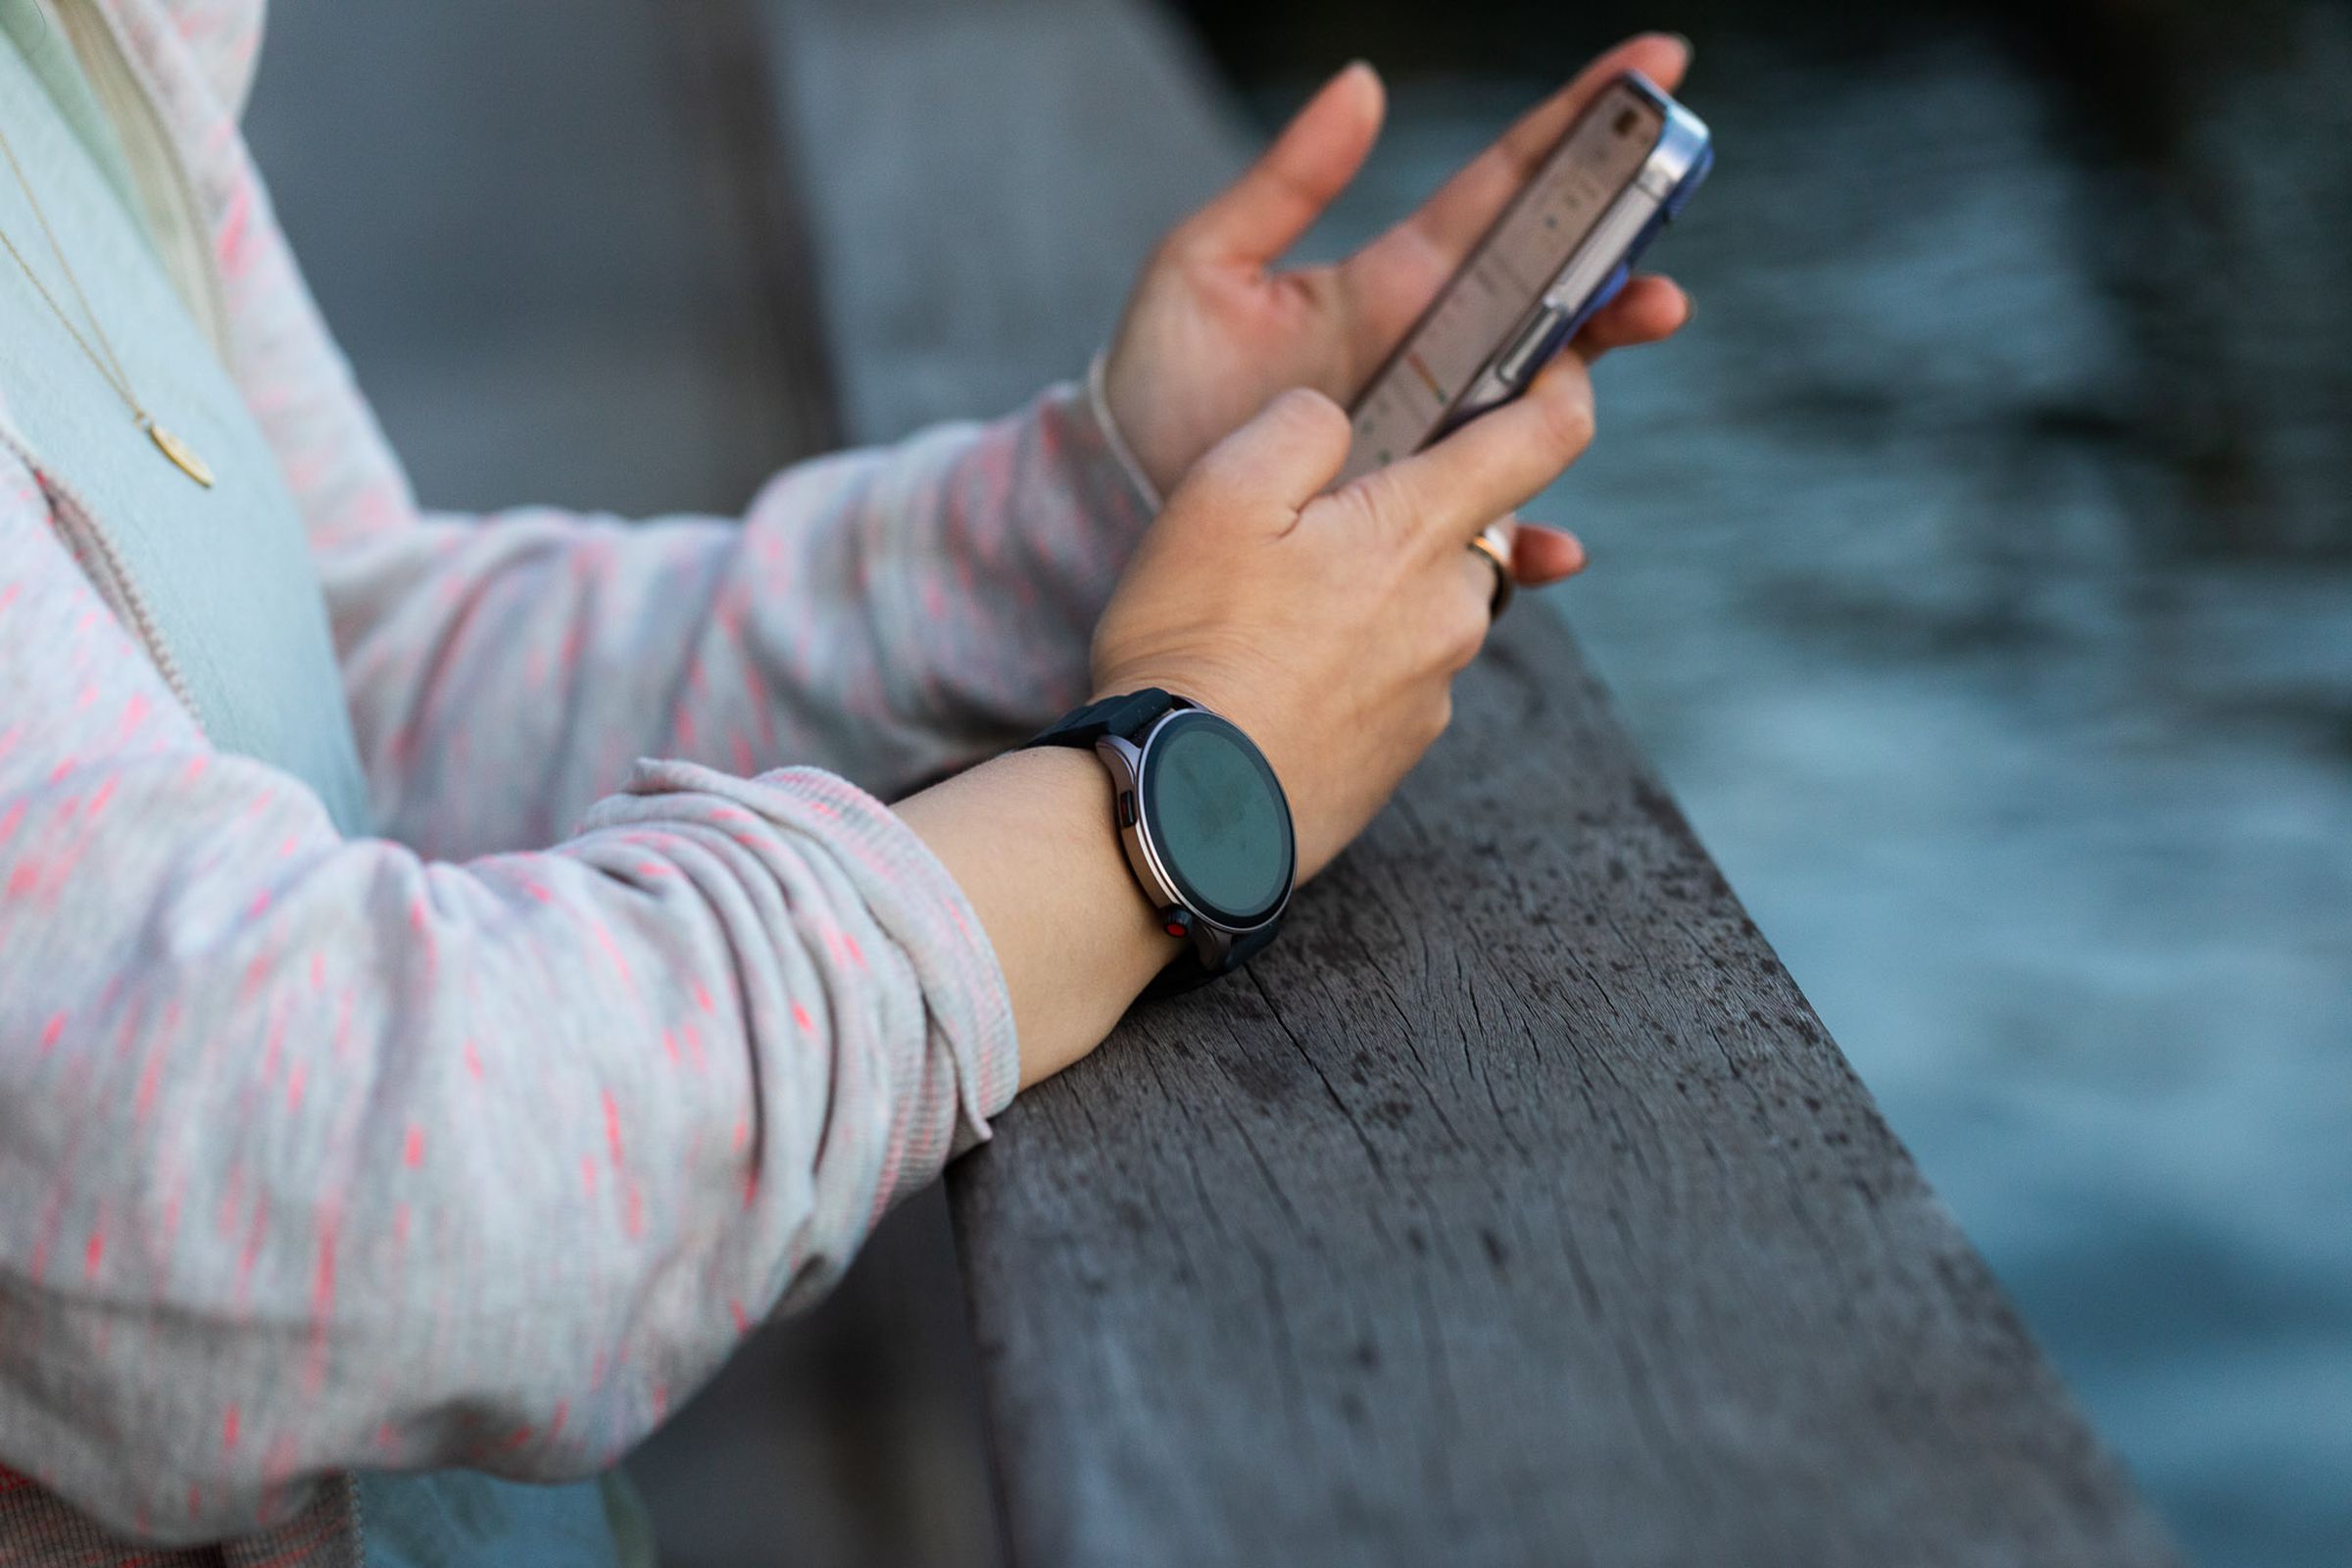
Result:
x=1126 y=716
x=1188 y=971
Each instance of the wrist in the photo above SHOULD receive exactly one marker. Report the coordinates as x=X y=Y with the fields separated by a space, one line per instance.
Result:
x=1116 y=425
x=1029 y=838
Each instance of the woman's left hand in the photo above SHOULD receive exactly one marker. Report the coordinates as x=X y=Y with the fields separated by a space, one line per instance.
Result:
x=1213 y=331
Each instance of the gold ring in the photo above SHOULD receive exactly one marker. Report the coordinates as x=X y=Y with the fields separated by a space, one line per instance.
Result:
x=1499 y=557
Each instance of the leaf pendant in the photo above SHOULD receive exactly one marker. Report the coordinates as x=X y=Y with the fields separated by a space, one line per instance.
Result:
x=184 y=457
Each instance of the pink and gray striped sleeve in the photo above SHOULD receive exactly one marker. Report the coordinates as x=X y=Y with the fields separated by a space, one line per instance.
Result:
x=333 y=1156
x=887 y=613
x=453 y=1146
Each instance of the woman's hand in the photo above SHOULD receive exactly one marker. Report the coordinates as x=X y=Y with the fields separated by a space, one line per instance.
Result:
x=1213 y=331
x=1330 y=627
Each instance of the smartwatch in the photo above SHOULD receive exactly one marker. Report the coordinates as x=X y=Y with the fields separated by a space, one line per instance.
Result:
x=1203 y=820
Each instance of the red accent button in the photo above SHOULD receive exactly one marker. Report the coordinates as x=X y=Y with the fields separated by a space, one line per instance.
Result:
x=1174 y=928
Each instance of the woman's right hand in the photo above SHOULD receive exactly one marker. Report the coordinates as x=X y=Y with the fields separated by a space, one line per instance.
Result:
x=1330 y=627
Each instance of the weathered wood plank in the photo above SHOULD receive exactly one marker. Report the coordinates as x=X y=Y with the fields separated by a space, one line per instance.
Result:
x=1516 y=1208
x=982 y=179
x=557 y=267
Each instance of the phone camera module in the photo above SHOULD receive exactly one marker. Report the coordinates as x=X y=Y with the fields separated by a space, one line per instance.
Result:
x=1627 y=120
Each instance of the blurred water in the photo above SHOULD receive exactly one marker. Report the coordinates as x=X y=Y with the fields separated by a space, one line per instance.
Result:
x=1979 y=569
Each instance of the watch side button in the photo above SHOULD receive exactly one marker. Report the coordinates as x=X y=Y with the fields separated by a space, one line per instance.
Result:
x=1126 y=807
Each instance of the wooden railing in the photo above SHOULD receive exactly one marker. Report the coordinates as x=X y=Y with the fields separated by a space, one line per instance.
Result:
x=1516 y=1208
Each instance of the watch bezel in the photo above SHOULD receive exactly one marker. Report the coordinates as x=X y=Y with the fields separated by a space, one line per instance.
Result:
x=1130 y=763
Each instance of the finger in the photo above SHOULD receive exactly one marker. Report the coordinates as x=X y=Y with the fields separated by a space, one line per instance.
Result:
x=1541 y=554
x=1648 y=309
x=1450 y=221
x=1483 y=576
x=1288 y=454
x=1503 y=534
x=1260 y=215
x=1493 y=465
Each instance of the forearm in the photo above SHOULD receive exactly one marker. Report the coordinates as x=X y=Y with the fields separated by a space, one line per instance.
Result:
x=1029 y=838
x=887 y=613
x=374 y=1160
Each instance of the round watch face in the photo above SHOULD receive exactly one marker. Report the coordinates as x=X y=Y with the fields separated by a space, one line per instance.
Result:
x=1217 y=819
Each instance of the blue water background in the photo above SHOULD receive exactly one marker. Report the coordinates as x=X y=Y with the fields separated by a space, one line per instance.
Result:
x=1978 y=570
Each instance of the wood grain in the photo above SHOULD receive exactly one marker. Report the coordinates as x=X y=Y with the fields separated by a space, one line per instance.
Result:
x=1514 y=1209
x=983 y=177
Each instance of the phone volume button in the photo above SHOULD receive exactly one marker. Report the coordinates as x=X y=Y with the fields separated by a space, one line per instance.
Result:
x=1517 y=360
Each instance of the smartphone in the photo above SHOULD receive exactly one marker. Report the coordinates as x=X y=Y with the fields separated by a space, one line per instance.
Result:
x=1557 y=253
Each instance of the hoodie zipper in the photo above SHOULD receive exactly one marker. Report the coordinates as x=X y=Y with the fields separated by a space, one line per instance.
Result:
x=96 y=552
x=168 y=197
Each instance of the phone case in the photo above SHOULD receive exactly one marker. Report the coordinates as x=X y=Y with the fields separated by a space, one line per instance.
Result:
x=1408 y=404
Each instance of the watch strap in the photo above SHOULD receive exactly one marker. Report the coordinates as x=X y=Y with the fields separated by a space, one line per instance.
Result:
x=1186 y=972
x=1126 y=716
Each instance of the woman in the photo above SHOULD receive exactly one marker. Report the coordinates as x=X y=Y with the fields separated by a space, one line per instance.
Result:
x=400 y=1079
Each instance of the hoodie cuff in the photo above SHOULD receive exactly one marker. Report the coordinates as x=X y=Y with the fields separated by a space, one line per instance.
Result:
x=959 y=1064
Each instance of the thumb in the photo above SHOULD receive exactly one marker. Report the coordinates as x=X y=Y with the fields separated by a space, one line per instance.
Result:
x=1288 y=454
x=1261 y=214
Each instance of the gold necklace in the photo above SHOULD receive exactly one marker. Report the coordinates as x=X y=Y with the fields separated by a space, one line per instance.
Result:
x=184 y=457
